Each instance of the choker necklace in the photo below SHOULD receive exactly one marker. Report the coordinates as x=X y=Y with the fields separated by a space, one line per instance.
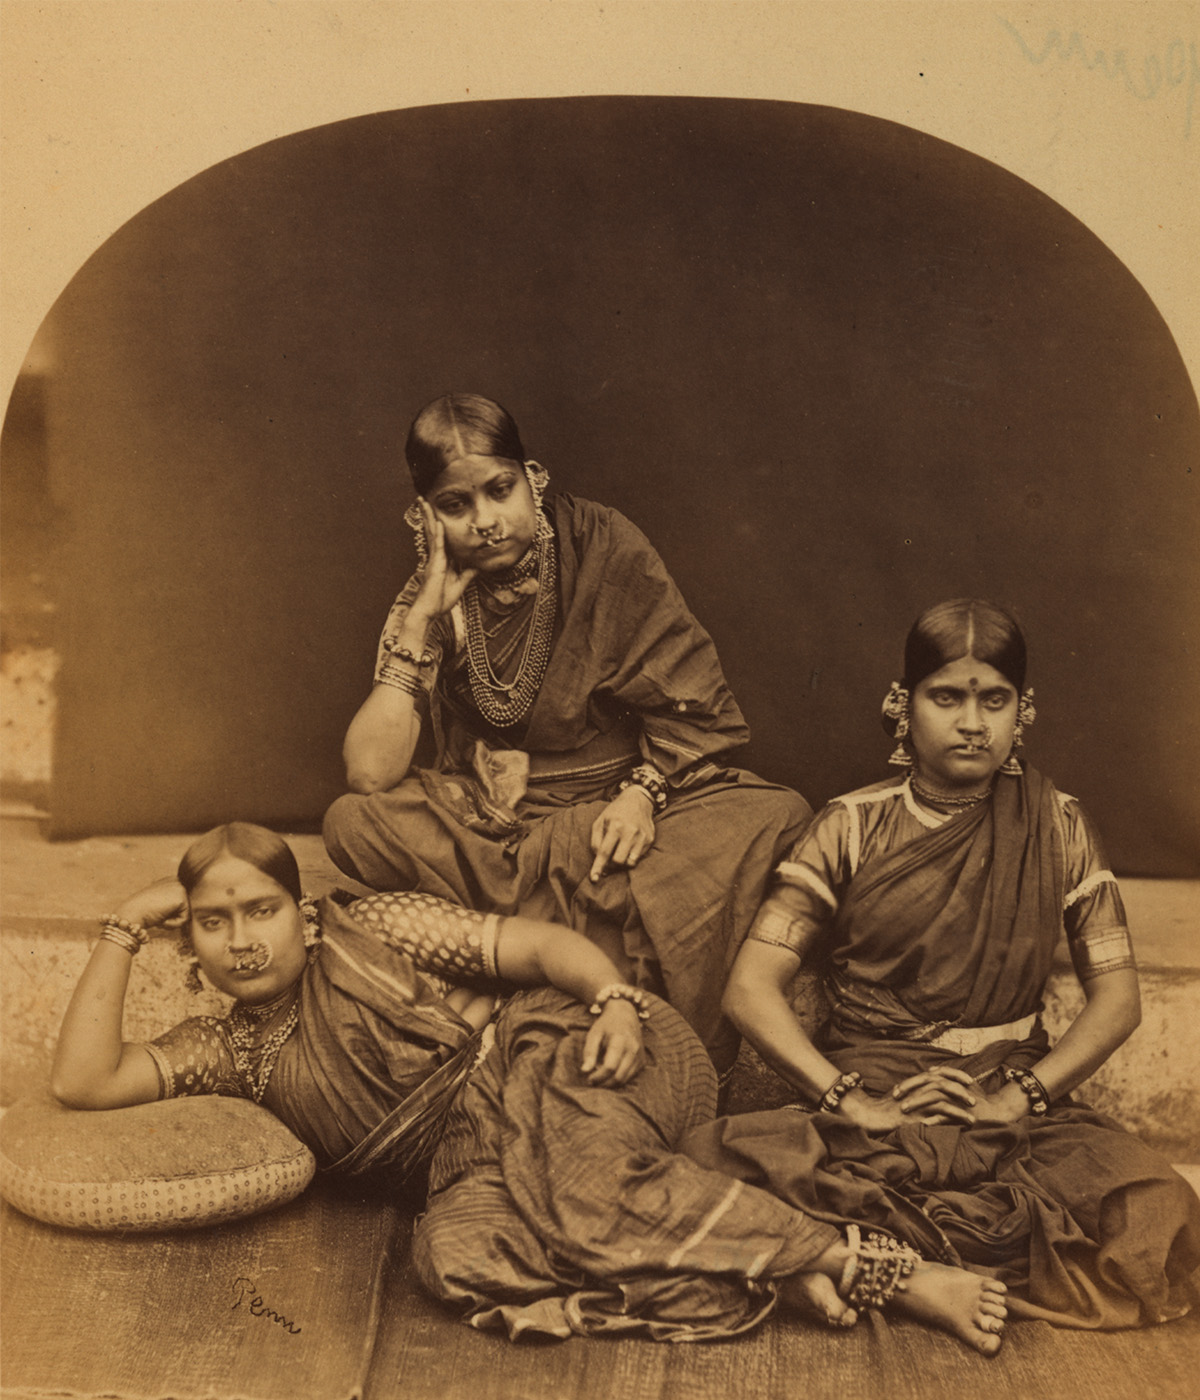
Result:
x=502 y=704
x=245 y=1022
x=937 y=799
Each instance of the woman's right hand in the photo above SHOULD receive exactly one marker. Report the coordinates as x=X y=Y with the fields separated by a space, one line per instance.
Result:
x=161 y=907
x=613 y=1051
x=946 y=1095
x=442 y=582
x=923 y=1099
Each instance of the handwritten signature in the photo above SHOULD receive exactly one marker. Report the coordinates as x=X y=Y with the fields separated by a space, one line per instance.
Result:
x=1176 y=68
x=246 y=1291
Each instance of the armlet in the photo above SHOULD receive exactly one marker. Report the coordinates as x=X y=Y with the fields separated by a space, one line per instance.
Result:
x=1102 y=950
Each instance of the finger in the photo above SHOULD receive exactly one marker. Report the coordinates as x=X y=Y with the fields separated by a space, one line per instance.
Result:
x=591 y=1048
x=924 y=1101
x=623 y=848
x=936 y=1089
x=621 y=1060
x=927 y=1076
x=637 y=848
x=907 y=1085
x=603 y=1071
x=948 y=1114
x=603 y=846
x=952 y=1072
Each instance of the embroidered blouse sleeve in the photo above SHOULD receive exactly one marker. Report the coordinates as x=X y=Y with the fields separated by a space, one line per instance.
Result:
x=1093 y=912
x=391 y=671
x=195 y=1058
x=441 y=938
x=807 y=884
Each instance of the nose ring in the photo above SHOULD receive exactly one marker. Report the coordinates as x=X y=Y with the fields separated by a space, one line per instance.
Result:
x=256 y=958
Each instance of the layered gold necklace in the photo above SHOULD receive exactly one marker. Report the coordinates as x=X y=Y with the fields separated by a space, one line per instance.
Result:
x=255 y=1058
x=507 y=703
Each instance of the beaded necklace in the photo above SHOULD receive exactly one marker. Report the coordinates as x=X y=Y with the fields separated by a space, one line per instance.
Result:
x=243 y=1024
x=501 y=703
x=954 y=804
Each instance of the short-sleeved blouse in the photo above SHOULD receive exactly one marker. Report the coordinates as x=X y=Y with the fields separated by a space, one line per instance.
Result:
x=347 y=1067
x=854 y=830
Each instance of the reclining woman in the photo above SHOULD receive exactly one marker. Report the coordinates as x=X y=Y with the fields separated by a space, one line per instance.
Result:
x=936 y=901
x=549 y=728
x=559 y=1203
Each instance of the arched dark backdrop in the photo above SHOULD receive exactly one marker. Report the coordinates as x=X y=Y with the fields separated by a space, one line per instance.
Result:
x=835 y=368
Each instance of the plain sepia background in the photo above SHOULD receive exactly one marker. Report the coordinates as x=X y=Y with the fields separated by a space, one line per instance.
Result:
x=110 y=106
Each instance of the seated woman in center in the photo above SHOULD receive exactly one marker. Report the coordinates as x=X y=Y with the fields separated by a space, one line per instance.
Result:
x=549 y=727
x=936 y=902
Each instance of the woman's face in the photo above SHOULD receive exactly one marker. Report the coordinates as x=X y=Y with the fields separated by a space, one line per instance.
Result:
x=236 y=916
x=487 y=509
x=961 y=722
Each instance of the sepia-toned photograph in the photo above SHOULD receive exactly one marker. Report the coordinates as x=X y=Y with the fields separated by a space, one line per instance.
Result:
x=600 y=638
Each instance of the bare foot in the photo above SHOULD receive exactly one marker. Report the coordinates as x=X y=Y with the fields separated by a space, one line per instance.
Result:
x=815 y=1296
x=970 y=1306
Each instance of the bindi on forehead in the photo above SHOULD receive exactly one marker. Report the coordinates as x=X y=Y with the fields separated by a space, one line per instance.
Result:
x=230 y=892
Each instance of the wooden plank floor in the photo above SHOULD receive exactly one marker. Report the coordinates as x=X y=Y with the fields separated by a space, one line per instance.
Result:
x=422 y=1352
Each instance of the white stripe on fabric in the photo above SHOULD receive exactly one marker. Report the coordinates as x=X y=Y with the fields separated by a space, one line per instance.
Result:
x=794 y=873
x=1100 y=877
x=376 y=974
x=930 y=819
x=704 y=1229
x=657 y=741
x=969 y=1040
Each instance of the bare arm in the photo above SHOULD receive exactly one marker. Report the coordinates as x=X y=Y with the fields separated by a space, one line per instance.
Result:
x=531 y=952
x=756 y=1001
x=93 y=1066
x=1112 y=1014
x=382 y=737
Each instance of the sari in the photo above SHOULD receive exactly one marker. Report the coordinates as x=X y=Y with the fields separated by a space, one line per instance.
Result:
x=939 y=939
x=501 y=819
x=555 y=1207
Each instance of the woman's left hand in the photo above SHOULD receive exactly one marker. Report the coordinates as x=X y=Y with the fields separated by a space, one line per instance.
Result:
x=613 y=1051
x=623 y=832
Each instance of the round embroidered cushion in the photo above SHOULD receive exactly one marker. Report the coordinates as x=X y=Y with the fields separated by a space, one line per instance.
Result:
x=171 y=1165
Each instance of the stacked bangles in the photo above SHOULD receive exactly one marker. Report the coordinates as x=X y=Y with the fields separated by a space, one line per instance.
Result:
x=125 y=934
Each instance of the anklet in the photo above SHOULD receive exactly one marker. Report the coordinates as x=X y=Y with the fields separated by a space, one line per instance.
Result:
x=875 y=1271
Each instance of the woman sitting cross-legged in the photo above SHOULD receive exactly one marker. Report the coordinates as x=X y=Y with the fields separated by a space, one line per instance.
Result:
x=559 y=1203
x=936 y=901
x=549 y=729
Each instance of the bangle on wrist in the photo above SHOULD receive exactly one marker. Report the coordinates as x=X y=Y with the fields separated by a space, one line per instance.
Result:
x=621 y=991
x=830 y=1101
x=651 y=782
x=394 y=647
x=1031 y=1085
x=124 y=933
x=401 y=680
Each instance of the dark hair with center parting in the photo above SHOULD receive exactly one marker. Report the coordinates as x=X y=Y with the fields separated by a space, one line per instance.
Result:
x=964 y=627
x=459 y=425
x=254 y=844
